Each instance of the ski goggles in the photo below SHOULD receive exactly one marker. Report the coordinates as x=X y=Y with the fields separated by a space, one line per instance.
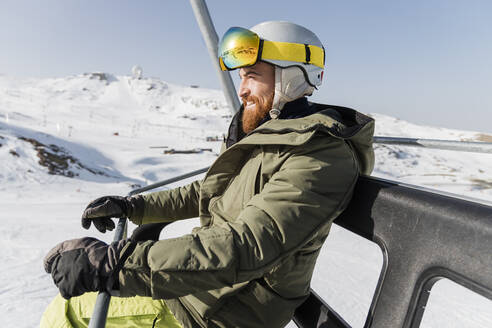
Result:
x=240 y=47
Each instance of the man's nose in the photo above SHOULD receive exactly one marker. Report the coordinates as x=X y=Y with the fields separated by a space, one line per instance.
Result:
x=244 y=91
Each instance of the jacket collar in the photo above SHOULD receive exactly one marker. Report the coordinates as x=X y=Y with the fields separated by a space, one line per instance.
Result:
x=340 y=122
x=300 y=120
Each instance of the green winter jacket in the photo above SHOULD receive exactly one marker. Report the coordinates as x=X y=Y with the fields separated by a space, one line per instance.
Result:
x=266 y=206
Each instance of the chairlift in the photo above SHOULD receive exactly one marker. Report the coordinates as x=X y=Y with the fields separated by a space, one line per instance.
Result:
x=404 y=221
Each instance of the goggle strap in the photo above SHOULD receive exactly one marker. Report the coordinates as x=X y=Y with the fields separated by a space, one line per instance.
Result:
x=222 y=66
x=260 y=51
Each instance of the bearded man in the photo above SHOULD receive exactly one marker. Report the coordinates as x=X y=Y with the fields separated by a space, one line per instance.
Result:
x=287 y=169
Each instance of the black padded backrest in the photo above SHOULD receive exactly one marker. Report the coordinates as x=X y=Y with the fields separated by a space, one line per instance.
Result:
x=424 y=236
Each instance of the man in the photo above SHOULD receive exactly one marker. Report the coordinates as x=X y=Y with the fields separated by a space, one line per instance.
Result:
x=286 y=171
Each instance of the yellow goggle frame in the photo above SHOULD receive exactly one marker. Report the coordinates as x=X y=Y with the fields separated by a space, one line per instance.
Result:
x=240 y=47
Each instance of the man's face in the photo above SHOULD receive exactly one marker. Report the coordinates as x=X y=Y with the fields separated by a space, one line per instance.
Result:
x=256 y=91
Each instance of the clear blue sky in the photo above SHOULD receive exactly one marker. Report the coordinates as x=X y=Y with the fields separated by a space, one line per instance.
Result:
x=426 y=61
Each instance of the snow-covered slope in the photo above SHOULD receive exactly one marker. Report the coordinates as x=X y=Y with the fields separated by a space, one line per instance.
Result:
x=65 y=141
x=98 y=118
x=457 y=172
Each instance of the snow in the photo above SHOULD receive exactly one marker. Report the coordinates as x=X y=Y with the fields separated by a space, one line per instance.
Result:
x=116 y=128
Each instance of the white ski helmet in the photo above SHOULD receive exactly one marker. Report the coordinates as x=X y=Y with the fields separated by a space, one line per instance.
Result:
x=282 y=31
x=293 y=79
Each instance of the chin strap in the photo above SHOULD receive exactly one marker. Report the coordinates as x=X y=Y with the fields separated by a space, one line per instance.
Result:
x=290 y=84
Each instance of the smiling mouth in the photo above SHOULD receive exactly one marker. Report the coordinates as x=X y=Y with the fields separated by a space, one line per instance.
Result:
x=250 y=105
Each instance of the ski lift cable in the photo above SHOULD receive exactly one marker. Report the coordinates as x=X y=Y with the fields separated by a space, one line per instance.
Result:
x=465 y=146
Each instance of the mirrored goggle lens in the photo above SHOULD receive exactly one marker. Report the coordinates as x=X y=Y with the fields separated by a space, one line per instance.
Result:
x=238 y=48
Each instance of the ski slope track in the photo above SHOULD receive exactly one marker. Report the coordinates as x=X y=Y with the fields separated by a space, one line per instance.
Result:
x=66 y=141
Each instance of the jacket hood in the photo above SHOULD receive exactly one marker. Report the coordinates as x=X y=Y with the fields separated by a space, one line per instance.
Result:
x=300 y=119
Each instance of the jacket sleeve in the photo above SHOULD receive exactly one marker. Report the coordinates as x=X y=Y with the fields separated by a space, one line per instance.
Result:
x=169 y=205
x=309 y=191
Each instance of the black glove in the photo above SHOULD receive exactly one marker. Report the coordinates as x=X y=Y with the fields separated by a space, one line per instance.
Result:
x=101 y=210
x=85 y=265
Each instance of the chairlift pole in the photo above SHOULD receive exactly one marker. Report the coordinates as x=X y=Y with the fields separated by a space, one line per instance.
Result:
x=209 y=34
x=465 y=146
x=100 y=312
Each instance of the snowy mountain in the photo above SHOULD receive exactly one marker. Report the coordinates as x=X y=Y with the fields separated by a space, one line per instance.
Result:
x=66 y=141
x=100 y=128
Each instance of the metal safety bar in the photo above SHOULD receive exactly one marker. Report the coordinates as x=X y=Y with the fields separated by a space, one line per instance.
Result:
x=100 y=312
x=466 y=146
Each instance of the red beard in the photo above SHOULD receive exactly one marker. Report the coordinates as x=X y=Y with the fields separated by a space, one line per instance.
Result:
x=252 y=117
